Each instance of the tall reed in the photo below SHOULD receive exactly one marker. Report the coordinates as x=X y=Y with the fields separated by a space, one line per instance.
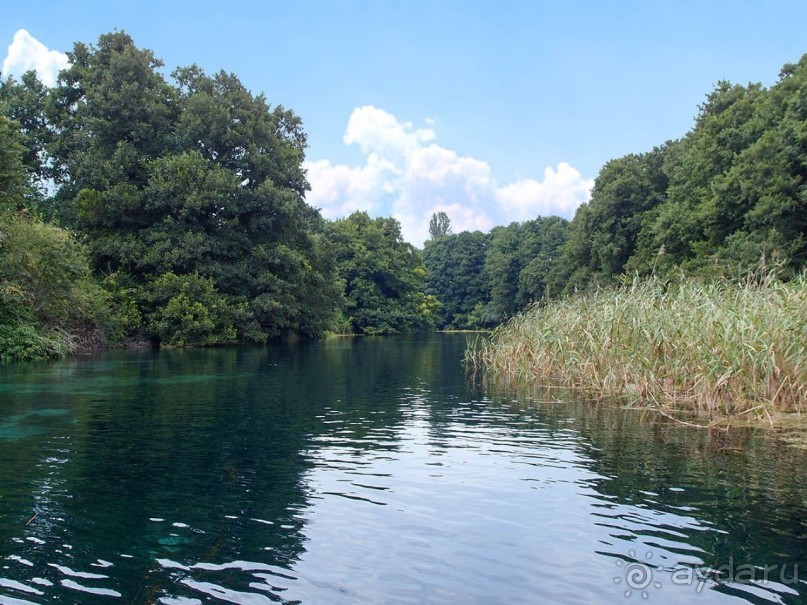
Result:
x=719 y=348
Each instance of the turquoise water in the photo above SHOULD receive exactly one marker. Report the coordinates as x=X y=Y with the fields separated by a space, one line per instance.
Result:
x=371 y=471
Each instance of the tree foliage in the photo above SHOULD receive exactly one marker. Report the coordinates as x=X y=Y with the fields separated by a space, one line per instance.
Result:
x=48 y=299
x=482 y=279
x=603 y=236
x=134 y=205
x=383 y=276
x=455 y=266
x=12 y=170
x=736 y=189
x=518 y=263
x=439 y=225
x=728 y=195
x=24 y=102
x=193 y=180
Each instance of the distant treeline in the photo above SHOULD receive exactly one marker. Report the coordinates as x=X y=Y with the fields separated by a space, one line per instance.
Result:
x=141 y=208
x=728 y=196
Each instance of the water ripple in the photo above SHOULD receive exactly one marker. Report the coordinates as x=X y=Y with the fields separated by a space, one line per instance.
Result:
x=346 y=472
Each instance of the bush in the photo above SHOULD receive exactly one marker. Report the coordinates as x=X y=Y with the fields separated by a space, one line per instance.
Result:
x=26 y=342
x=49 y=303
x=188 y=311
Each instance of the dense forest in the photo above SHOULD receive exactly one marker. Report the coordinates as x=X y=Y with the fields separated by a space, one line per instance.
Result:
x=141 y=208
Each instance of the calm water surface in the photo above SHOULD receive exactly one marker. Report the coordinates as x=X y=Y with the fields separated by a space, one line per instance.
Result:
x=371 y=471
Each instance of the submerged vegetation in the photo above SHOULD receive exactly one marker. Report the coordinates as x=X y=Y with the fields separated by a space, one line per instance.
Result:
x=719 y=348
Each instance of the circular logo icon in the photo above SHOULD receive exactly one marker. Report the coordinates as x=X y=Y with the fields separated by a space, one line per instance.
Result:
x=637 y=576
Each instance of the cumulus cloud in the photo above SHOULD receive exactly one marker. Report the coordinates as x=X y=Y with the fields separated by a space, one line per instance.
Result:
x=377 y=132
x=26 y=52
x=341 y=189
x=409 y=176
x=560 y=193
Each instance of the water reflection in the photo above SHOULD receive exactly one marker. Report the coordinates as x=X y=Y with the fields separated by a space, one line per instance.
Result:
x=370 y=470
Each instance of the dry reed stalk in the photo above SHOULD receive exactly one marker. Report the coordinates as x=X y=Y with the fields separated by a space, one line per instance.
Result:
x=720 y=349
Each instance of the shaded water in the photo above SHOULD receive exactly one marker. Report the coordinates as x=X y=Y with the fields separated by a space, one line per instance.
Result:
x=371 y=471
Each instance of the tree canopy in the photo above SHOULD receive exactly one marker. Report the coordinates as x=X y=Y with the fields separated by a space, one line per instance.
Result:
x=179 y=186
x=383 y=276
x=483 y=279
x=439 y=225
x=140 y=206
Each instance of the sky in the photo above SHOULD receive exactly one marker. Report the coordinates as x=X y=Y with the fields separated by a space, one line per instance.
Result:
x=491 y=111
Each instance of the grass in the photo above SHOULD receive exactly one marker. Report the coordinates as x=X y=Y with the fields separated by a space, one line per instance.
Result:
x=719 y=349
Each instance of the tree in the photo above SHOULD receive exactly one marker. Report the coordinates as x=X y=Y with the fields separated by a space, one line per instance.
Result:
x=540 y=250
x=439 y=225
x=239 y=131
x=12 y=169
x=689 y=226
x=196 y=179
x=604 y=234
x=455 y=266
x=113 y=111
x=48 y=300
x=502 y=266
x=383 y=276
x=762 y=198
x=24 y=101
x=47 y=271
x=187 y=309
x=518 y=263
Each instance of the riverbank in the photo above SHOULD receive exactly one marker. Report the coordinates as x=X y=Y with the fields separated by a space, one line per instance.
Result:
x=718 y=350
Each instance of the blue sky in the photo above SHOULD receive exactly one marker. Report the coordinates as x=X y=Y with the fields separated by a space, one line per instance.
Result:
x=492 y=111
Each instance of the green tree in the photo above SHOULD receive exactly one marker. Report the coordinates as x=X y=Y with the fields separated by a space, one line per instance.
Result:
x=455 y=266
x=762 y=199
x=113 y=112
x=187 y=309
x=605 y=232
x=502 y=267
x=12 y=170
x=228 y=125
x=48 y=271
x=540 y=250
x=518 y=263
x=383 y=276
x=24 y=101
x=195 y=178
x=439 y=225
x=689 y=226
x=49 y=303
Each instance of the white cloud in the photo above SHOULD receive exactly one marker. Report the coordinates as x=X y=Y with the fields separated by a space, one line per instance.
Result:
x=409 y=176
x=26 y=52
x=376 y=131
x=560 y=193
x=437 y=179
x=342 y=189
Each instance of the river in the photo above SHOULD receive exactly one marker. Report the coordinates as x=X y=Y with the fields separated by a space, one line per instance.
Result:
x=371 y=470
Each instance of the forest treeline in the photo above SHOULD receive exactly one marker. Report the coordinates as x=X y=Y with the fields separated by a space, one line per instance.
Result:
x=728 y=197
x=137 y=207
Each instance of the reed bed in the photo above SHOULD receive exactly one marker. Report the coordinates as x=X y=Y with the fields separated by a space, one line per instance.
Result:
x=722 y=349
